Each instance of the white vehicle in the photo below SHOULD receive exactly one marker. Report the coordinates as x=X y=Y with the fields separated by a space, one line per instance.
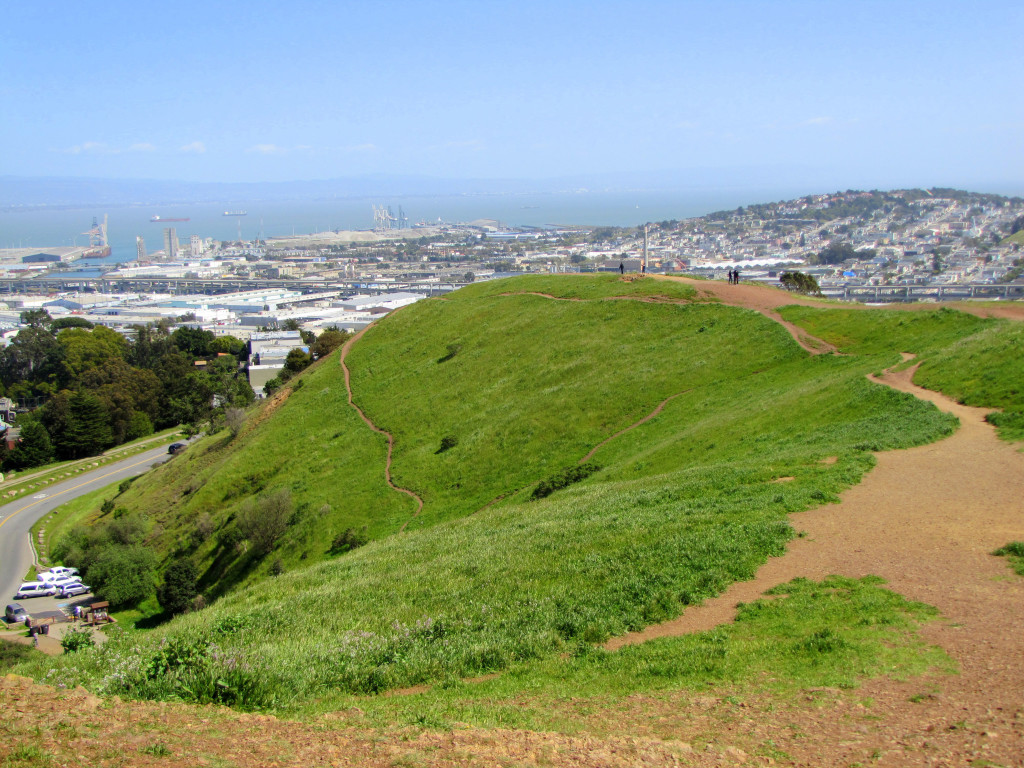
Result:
x=35 y=589
x=60 y=584
x=58 y=572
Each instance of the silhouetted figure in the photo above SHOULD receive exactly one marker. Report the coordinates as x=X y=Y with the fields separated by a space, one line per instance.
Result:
x=736 y=277
x=730 y=277
x=643 y=269
x=622 y=268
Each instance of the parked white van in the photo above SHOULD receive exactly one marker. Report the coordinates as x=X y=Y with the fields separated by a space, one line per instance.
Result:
x=35 y=589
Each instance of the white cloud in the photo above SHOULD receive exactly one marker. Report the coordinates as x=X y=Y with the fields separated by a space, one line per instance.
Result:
x=817 y=121
x=474 y=145
x=274 y=149
x=102 y=148
x=89 y=148
x=266 y=149
x=195 y=147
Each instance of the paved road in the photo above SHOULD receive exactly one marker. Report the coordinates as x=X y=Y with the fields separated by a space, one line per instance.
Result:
x=18 y=516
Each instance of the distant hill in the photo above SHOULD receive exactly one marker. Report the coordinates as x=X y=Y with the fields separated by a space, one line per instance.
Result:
x=672 y=433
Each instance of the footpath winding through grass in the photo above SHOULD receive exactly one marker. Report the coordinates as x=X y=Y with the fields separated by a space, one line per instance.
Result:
x=684 y=504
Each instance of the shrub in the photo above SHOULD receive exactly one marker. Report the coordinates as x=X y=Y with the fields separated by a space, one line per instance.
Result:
x=234 y=418
x=448 y=442
x=124 y=575
x=178 y=591
x=75 y=640
x=453 y=350
x=349 y=539
x=107 y=506
x=264 y=521
x=564 y=478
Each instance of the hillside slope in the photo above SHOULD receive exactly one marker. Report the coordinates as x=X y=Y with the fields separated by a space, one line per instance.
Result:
x=692 y=499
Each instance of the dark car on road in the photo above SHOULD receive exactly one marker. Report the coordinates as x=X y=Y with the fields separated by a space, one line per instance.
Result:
x=15 y=614
x=176 y=447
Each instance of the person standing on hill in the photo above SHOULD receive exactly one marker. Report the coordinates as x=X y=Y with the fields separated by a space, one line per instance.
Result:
x=736 y=277
x=622 y=268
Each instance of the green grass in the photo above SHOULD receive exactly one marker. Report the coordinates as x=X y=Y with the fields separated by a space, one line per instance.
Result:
x=977 y=362
x=832 y=634
x=1014 y=553
x=599 y=286
x=14 y=654
x=485 y=579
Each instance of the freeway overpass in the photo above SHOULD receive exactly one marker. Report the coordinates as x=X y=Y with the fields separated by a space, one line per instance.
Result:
x=54 y=283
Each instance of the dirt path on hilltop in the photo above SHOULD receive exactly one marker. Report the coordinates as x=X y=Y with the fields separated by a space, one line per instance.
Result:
x=925 y=519
x=366 y=419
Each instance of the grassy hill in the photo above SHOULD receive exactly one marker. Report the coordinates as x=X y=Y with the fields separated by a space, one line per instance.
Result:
x=528 y=376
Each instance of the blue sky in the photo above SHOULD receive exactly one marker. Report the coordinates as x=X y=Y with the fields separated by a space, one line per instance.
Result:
x=828 y=94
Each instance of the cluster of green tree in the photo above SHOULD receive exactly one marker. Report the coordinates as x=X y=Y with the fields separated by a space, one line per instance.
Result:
x=837 y=252
x=800 y=282
x=113 y=557
x=94 y=388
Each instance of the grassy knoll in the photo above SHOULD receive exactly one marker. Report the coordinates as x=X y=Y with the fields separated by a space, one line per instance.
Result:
x=534 y=384
x=599 y=286
x=975 y=361
x=679 y=508
x=832 y=634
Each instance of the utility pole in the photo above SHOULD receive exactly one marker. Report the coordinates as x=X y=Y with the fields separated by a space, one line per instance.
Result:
x=645 y=248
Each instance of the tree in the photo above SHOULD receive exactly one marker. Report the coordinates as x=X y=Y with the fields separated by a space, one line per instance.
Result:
x=297 y=360
x=836 y=253
x=33 y=356
x=34 y=447
x=798 y=281
x=84 y=349
x=234 y=418
x=69 y=322
x=226 y=344
x=327 y=342
x=124 y=575
x=193 y=341
x=178 y=590
x=88 y=431
x=291 y=324
x=264 y=521
x=36 y=318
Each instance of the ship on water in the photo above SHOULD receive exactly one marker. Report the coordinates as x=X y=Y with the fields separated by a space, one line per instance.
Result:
x=236 y=213
x=161 y=219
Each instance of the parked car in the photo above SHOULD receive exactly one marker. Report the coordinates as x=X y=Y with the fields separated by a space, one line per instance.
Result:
x=15 y=614
x=176 y=447
x=58 y=572
x=74 y=588
x=35 y=589
x=59 y=584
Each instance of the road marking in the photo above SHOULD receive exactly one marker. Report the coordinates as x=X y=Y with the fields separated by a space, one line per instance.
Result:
x=72 y=488
x=40 y=496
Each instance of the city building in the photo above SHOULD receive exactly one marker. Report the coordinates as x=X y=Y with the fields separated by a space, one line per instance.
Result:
x=171 y=243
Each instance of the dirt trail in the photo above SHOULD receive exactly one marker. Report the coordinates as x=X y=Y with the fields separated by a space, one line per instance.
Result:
x=925 y=519
x=390 y=438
